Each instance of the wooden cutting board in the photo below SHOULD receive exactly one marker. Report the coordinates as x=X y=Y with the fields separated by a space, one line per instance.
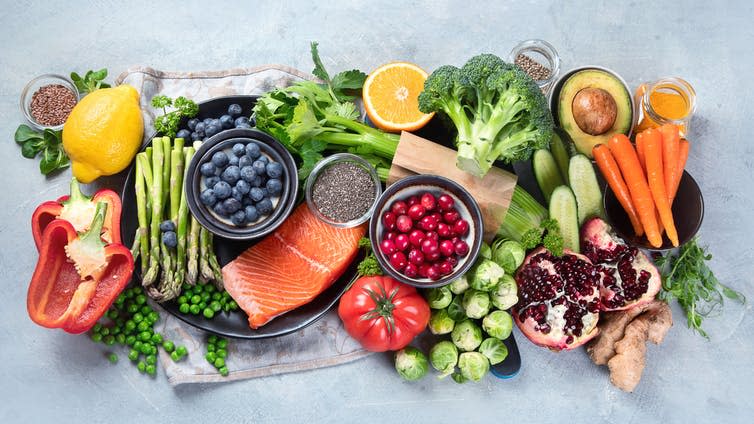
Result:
x=493 y=192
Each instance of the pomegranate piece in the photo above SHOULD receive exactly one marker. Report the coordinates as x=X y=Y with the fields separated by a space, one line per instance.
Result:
x=559 y=299
x=428 y=201
x=403 y=223
x=445 y=202
x=628 y=276
x=399 y=207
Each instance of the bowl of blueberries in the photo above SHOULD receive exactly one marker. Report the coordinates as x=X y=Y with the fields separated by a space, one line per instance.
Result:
x=241 y=184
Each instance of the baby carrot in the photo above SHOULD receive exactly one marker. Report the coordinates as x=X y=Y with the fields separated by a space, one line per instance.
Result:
x=624 y=153
x=653 y=154
x=640 y=150
x=683 y=154
x=609 y=168
x=670 y=145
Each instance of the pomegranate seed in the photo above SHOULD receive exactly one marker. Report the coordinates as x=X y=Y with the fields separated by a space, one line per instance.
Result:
x=433 y=235
x=429 y=246
x=461 y=248
x=416 y=257
x=416 y=212
x=447 y=248
x=433 y=256
x=424 y=270
x=461 y=227
x=428 y=223
x=391 y=235
x=398 y=260
x=428 y=201
x=416 y=237
x=403 y=223
x=444 y=231
x=387 y=247
x=399 y=207
x=411 y=270
x=388 y=219
x=433 y=273
x=412 y=201
x=446 y=268
x=401 y=242
x=445 y=202
x=451 y=217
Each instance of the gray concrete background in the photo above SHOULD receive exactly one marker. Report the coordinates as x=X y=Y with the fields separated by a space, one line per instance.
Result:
x=50 y=376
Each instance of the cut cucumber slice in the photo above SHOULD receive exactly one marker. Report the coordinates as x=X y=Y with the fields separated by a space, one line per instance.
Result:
x=586 y=188
x=546 y=172
x=561 y=153
x=563 y=209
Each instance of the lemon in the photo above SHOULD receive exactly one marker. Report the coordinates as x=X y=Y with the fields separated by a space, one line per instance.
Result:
x=103 y=132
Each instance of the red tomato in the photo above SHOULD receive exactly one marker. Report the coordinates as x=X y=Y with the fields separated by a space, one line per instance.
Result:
x=382 y=313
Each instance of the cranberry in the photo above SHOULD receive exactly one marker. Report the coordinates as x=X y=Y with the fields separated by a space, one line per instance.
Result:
x=387 y=247
x=461 y=248
x=399 y=207
x=416 y=237
x=401 y=242
x=444 y=230
x=461 y=227
x=429 y=246
x=403 y=223
x=388 y=219
x=433 y=256
x=455 y=239
x=428 y=201
x=433 y=235
x=451 y=217
x=416 y=212
x=411 y=270
x=447 y=248
x=445 y=202
x=446 y=268
x=428 y=223
x=416 y=257
x=452 y=261
x=433 y=273
x=398 y=260
x=412 y=200
x=424 y=270
x=391 y=235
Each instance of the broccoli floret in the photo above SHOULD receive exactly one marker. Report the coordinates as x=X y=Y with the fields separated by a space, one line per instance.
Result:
x=498 y=110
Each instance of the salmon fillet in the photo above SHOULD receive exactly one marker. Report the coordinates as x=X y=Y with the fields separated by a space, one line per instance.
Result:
x=291 y=266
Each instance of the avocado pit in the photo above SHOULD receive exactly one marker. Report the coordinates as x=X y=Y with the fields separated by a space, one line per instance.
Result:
x=594 y=110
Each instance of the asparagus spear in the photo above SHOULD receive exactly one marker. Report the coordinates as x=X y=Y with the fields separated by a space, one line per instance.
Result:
x=158 y=161
x=141 y=170
x=204 y=249
x=166 y=146
x=192 y=270
x=176 y=178
x=183 y=219
x=214 y=265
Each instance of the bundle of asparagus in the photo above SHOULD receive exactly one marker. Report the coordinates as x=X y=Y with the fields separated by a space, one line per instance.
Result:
x=159 y=174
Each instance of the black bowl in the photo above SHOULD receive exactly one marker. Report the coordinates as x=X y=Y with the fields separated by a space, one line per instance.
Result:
x=465 y=204
x=688 y=213
x=224 y=141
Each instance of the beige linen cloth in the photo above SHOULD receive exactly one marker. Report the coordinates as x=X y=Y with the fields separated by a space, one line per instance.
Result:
x=322 y=344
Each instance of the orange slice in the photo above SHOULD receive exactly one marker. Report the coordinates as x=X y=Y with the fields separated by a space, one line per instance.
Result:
x=391 y=97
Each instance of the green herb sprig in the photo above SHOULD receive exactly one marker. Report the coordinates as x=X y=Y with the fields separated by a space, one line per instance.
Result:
x=46 y=144
x=547 y=235
x=167 y=124
x=368 y=266
x=688 y=279
x=91 y=81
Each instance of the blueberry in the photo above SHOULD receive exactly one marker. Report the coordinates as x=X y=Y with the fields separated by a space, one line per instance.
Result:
x=199 y=128
x=245 y=160
x=246 y=126
x=231 y=174
x=207 y=169
x=207 y=121
x=219 y=209
x=220 y=159
x=253 y=150
x=241 y=120
x=212 y=129
x=210 y=182
x=264 y=206
x=259 y=167
x=265 y=193
x=216 y=121
x=184 y=134
x=274 y=186
x=238 y=218
x=243 y=186
x=195 y=136
x=233 y=161
x=222 y=190
x=236 y=194
x=274 y=170
x=231 y=205
x=234 y=109
x=264 y=159
x=246 y=201
x=170 y=239
x=239 y=149
x=251 y=213
x=226 y=122
x=208 y=197
x=257 y=181
x=192 y=123
x=256 y=194
x=247 y=173
x=167 y=225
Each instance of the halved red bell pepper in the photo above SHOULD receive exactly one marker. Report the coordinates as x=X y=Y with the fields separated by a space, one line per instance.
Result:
x=78 y=209
x=77 y=277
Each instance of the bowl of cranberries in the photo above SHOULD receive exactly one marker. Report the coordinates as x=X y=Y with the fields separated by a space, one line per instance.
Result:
x=426 y=230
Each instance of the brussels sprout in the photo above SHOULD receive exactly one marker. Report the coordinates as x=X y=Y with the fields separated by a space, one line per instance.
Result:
x=411 y=363
x=485 y=251
x=509 y=254
x=473 y=365
x=485 y=275
x=440 y=322
x=505 y=295
x=494 y=350
x=456 y=312
x=444 y=357
x=460 y=285
x=476 y=303
x=458 y=378
x=439 y=298
x=466 y=335
x=498 y=324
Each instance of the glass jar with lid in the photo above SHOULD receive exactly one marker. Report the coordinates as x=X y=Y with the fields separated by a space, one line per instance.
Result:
x=669 y=100
x=539 y=60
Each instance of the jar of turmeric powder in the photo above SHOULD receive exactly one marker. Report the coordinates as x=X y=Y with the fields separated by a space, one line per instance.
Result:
x=668 y=100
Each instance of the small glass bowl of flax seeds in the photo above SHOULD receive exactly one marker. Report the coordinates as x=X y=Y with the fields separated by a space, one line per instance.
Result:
x=539 y=60
x=47 y=100
x=342 y=190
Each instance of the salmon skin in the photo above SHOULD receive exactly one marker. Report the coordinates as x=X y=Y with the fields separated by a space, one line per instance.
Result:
x=291 y=266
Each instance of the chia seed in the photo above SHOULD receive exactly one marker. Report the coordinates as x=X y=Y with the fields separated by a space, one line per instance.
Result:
x=343 y=192
x=51 y=104
x=534 y=69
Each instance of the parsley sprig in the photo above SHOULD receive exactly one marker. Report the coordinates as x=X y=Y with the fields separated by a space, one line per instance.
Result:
x=167 y=123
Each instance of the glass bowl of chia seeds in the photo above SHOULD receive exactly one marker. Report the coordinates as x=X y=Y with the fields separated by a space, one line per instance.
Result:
x=47 y=100
x=342 y=190
x=539 y=60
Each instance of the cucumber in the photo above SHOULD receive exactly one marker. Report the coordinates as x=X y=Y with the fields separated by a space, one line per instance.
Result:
x=586 y=188
x=546 y=172
x=561 y=153
x=563 y=209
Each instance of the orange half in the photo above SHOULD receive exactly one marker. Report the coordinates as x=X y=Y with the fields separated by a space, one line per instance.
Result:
x=391 y=97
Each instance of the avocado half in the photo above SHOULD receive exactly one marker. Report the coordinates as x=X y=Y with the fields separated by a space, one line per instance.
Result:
x=595 y=79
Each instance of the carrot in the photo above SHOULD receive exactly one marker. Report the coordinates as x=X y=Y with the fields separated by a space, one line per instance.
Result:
x=609 y=168
x=624 y=153
x=653 y=149
x=640 y=150
x=670 y=145
x=683 y=154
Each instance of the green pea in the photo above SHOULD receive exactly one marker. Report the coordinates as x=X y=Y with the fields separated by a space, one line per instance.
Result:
x=151 y=369
x=219 y=362
x=130 y=340
x=215 y=306
x=195 y=309
x=226 y=307
x=210 y=288
x=223 y=371
x=142 y=326
x=151 y=359
x=202 y=305
x=129 y=326
x=97 y=327
x=138 y=317
x=145 y=336
x=138 y=344
x=210 y=347
x=184 y=308
x=221 y=353
x=141 y=299
x=156 y=338
x=181 y=350
x=208 y=313
x=112 y=314
x=133 y=355
x=210 y=357
x=141 y=366
x=133 y=308
x=120 y=299
x=206 y=297
x=113 y=358
x=222 y=343
x=120 y=338
x=96 y=337
x=195 y=299
x=129 y=294
x=188 y=294
x=175 y=356
x=182 y=299
x=168 y=345
x=109 y=340
x=198 y=288
x=233 y=305
x=145 y=310
x=154 y=317
x=185 y=286
x=105 y=331
x=217 y=296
